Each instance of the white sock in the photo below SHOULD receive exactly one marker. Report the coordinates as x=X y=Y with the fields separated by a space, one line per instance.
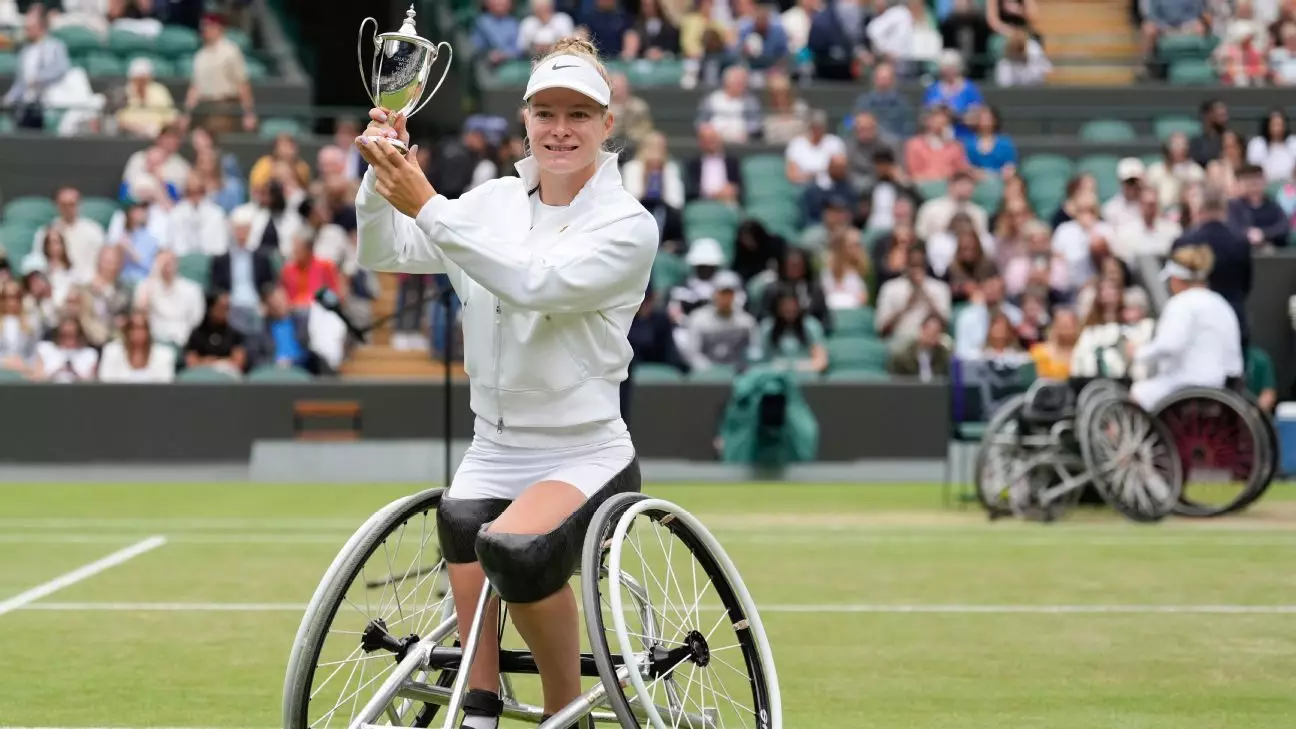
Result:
x=480 y=722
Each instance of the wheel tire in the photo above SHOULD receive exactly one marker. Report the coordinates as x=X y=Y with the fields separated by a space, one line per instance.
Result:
x=324 y=605
x=1263 y=439
x=1095 y=413
x=1008 y=411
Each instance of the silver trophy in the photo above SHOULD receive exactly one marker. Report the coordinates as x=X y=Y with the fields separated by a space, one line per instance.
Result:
x=399 y=69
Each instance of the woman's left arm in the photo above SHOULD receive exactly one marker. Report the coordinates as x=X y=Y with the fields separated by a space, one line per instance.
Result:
x=1173 y=336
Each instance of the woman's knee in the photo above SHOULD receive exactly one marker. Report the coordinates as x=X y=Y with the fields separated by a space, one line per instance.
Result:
x=458 y=523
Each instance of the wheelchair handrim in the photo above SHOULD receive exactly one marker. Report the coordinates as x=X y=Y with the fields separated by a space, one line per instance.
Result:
x=1174 y=411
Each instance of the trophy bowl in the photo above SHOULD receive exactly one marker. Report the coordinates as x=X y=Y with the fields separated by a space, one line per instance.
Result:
x=400 y=68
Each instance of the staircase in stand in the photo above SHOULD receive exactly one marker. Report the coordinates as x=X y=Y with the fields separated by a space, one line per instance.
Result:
x=379 y=360
x=1090 y=42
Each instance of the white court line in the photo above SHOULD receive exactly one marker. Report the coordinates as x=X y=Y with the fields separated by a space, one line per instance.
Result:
x=775 y=608
x=85 y=571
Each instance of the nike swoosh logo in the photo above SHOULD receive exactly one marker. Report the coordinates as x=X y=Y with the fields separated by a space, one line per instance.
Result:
x=570 y=65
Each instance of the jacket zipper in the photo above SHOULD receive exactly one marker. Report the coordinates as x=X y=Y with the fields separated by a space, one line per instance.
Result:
x=499 y=425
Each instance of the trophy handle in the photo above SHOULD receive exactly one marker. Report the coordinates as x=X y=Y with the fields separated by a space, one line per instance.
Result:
x=360 y=57
x=449 y=57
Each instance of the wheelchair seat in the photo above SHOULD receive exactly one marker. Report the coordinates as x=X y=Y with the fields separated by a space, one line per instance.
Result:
x=1048 y=402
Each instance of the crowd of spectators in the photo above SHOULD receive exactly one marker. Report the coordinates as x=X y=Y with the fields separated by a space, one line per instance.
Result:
x=1248 y=42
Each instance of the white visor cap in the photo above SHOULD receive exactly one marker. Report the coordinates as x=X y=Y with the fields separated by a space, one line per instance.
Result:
x=569 y=72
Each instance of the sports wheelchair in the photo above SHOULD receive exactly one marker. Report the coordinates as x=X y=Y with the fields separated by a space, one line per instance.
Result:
x=1203 y=453
x=674 y=638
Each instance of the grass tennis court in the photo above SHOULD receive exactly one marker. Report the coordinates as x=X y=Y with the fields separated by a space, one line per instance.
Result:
x=884 y=609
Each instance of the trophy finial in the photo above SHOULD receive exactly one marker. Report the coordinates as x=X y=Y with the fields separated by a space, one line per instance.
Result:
x=408 y=28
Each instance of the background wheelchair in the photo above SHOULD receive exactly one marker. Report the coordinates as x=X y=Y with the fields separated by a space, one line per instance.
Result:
x=672 y=634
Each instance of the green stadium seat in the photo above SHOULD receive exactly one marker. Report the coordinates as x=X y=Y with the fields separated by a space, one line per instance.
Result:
x=274 y=126
x=78 y=39
x=29 y=208
x=8 y=64
x=717 y=373
x=18 y=240
x=781 y=217
x=196 y=267
x=668 y=271
x=272 y=373
x=858 y=323
x=1107 y=130
x=656 y=73
x=1184 y=47
x=163 y=68
x=99 y=209
x=988 y=193
x=656 y=372
x=103 y=63
x=6 y=124
x=125 y=43
x=759 y=167
x=1103 y=168
x=1164 y=126
x=995 y=46
x=512 y=73
x=239 y=38
x=177 y=40
x=856 y=377
x=932 y=189
x=1039 y=165
x=204 y=374
x=256 y=69
x=1192 y=73
x=184 y=65
x=857 y=354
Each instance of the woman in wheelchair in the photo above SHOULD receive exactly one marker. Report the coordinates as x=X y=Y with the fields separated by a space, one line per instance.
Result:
x=551 y=269
x=1197 y=340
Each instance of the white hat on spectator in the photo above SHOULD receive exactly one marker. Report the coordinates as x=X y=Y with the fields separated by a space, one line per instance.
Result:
x=140 y=68
x=950 y=58
x=727 y=281
x=242 y=215
x=705 y=252
x=1242 y=30
x=1130 y=168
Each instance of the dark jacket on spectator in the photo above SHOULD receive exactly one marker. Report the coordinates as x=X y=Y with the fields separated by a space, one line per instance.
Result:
x=892 y=109
x=1268 y=217
x=262 y=272
x=652 y=338
x=693 y=176
x=1231 y=277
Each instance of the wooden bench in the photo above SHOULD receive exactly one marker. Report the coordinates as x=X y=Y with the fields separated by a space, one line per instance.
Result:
x=305 y=411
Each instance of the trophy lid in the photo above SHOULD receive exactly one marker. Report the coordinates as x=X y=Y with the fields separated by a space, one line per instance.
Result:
x=408 y=28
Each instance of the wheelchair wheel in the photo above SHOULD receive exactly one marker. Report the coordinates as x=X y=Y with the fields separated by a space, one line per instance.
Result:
x=1229 y=455
x=382 y=593
x=664 y=602
x=1132 y=459
x=1015 y=469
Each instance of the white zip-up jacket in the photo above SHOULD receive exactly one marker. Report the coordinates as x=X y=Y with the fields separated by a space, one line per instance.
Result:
x=546 y=311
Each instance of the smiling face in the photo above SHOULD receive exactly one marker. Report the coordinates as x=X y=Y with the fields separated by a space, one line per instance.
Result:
x=566 y=130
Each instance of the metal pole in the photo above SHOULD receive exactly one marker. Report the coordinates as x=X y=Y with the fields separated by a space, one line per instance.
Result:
x=446 y=297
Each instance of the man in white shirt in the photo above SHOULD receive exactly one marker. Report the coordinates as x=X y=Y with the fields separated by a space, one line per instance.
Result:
x=197 y=223
x=82 y=237
x=1125 y=206
x=175 y=305
x=1149 y=234
x=1083 y=239
x=543 y=28
x=732 y=109
x=42 y=63
x=905 y=302
x=934 y=215
x=161 y=161
x=808 y=155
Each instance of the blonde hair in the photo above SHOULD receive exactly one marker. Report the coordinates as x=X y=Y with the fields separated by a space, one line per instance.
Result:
x=1199 y=259
x=574 y=46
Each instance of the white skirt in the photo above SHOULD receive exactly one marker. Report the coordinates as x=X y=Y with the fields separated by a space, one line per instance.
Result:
x=493 y=471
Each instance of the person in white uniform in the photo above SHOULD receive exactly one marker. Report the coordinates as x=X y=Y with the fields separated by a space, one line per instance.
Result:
x=1197 y=340
x=551 y=268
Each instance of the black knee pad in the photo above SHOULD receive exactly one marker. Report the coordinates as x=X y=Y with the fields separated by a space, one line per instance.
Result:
x=459 y=520
x=530 y=567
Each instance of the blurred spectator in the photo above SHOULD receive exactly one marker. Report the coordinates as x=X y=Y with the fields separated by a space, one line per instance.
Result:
x=1039 y=268
x=1254 y=213
x=758 y=252
x=1008 y=16
x=632 y=119
x=1260 y=379
x=285 y=150
x=52 y=260
x=1163 y=18
x=307 y=273
x=496 y=34
x=792 y=338
x=82 y=237
x=1224 y=171
x=936 y=214
x=797 y=275
x=846 y=272
x=1175 y=168
x=1149 y=233
x=866 y=138
x=693 y=29
x=159 y=162
x=652 y=336
x=834 y=217
x=145 y=105
x=891 y=255
x=1024 y=62
x=814 y=197
x=606 y=25
x=762 y=42
x=1008 y=239
x=964 y=29
x=284 y=340
x=1125 y=205
x=174 y=304
x=904 y=302
x=653 y=35
x=462 y=163
x=92 y=14
x=1002 y=345
x=927 y=357
x=100 y=301
x=197 y=225
x=892 y=196
x=1053 y=356
x=1274 y=147
x=1034 y=321
x=1282 y=59
x=220 y=82
x=733 y=110
x=17 y=335
x=707 y=258
x=136 y=357
x=905 y=34
x=67 y=357
x=1081 y=184
x=885 y=102
x=243 y=272
x=215 y=342
x=970 y=267
x=837 y=41
x=796 y=22
x=785 y=116
x=542 y=28
x=42 y=311
x=808 y=155
x=655 y=180
x=953 y=90
x=935 y=154
x=721 y=333
x=987 y=148
x=221 y=172
x=1084 y=238
x=1208 y=144
x=42 y=64
x=275 y=212
x=1232 y=275
x=714 y=174
x=1240 y=60
x=138 y=244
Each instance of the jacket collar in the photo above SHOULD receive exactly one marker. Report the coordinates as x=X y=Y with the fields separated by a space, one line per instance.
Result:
x=606 y=174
